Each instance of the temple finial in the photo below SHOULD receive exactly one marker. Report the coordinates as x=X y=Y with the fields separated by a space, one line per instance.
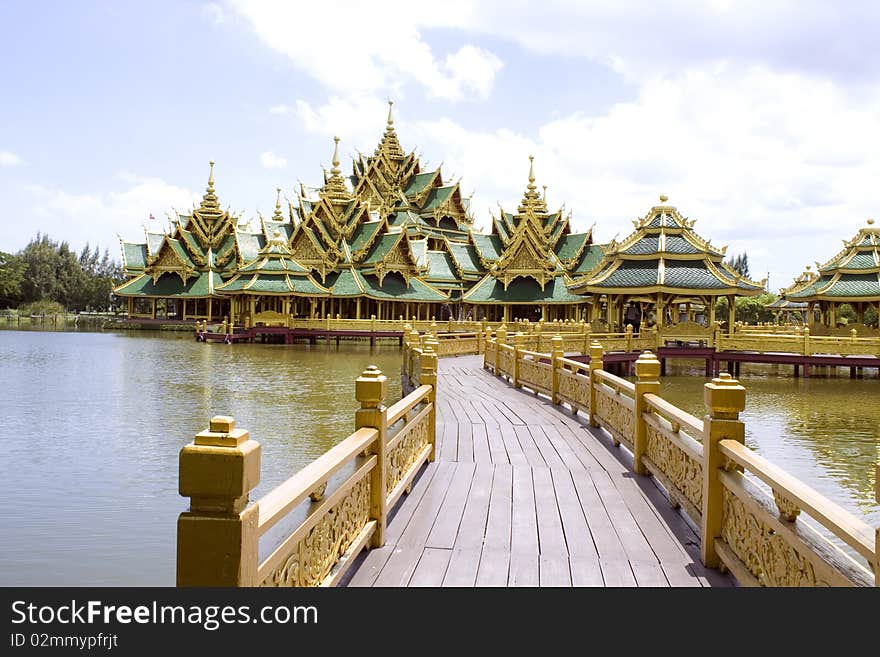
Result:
x=870 y=222
x=663 y=198
x=531 y=169
x=545 y=193
x=211 y=177
x=390 y=116
x=335 y=168
x=278 y=216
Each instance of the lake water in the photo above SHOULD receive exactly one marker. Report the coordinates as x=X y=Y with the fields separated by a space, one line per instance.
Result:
x=93 y=424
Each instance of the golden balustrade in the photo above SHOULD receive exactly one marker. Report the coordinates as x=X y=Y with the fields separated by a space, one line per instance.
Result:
x=749 y=510
x=218 y=538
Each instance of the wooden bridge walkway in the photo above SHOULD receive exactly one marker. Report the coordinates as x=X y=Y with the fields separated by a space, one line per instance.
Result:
x=525 y=494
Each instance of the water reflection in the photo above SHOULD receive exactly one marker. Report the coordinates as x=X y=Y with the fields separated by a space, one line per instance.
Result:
x=94 y=423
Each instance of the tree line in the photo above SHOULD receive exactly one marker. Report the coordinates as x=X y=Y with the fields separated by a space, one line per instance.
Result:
x=47 y=271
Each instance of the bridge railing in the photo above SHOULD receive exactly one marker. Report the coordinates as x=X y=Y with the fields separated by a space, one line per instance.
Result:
x=748 y=510
x=316 y=532
x=802 y=343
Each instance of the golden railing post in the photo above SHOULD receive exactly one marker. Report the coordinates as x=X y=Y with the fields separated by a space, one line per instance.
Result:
x=217 y=542
x=449 y=326
x=587 y=330
x=628 y=333
x=648 y=373
x=806 y=341
x=519 y=341
x=429 y=378
x=725 y=398
x=327 y=324
x=539 y=333
x=372 y=323
x=371 y=389
x=557 y=353
x=596 y=354
x=500 y=339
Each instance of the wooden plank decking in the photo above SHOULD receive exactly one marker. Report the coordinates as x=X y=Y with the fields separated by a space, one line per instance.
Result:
x=524 y=494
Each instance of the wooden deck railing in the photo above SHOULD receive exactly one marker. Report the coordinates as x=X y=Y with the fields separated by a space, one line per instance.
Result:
x=748 y=510
x=218 y=539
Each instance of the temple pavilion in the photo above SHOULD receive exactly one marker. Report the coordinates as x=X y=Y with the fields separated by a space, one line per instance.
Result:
x=852 y=276
x=658 y=269
x=529 y=259
x=392 y=239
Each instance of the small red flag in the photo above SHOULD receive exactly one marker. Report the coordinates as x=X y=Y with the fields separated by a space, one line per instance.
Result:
x=152 y=217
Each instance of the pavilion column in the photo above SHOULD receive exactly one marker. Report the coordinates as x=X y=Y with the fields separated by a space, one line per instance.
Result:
x=357 y=308
x=210 y=308
x=609 y=312
x=130 y=306
x=731 y=304
x=506 y=313
x=544 y=312
x=712 y=311
x=154 y=308
x=661 y=312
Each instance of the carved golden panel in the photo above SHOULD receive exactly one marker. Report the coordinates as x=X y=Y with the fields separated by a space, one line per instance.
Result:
x=576 y=389
x=312 y=558
x=614 y=414
x=685 y=473
x=403 y=456
x=531 y=372
x=766 y=554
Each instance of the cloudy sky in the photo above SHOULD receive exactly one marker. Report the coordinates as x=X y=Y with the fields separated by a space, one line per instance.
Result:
x=759 y=119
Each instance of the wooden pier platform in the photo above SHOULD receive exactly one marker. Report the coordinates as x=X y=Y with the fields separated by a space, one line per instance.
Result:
x=523 y=493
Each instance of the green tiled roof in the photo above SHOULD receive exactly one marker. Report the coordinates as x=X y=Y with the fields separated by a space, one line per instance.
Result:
x=691 y=276
x=662 y=220
x=191 y=243
x=268 y=264
x=860 y=260
x=788 y=305
x=810 y=290
x=249 y=244
x=405 y=217
x=394 y=287
x=274 y=284
x=440 y=267
x=570 y=245
x=489 y=246
x=343 y=283
x=438 y=196
x=632 y=273
x=134 y=256
x=363 y=234
x=170 y=285
x=154 y=241
x=854 y=285
x=419 y=183
x=590 y=258
x=501 y=230
x=645 y=246
x=381 y=247
x=679 y=245
x=466 y=258
x=521 y=290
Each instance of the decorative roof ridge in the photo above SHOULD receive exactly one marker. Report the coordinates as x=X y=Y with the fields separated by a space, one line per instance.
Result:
x=389 y=144
x=828 y=265
x=210 y=204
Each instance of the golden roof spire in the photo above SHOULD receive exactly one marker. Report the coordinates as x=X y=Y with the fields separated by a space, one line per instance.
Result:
x=531 y=199
x=210 y=204
x=278 y=216
x=389 y=144
x=335 y=185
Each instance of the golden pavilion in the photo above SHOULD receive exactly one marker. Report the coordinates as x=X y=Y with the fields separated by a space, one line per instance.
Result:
x=852 y=276
x=390 y=240
x=662 y=266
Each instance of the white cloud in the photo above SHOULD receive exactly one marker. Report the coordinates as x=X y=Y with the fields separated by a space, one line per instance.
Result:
x=9 y=159
x=271 y=161
x=214 y=13
x=358 y=47
x=280 y=109
x=97 y=217
x=776 y=164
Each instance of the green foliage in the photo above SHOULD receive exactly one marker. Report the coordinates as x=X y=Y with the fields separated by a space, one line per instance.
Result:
x=750 y=310
x=871 y=316
x=54 y=272
x=847 y=312
x=740 y=264
x=12 y=270
x=41 y=308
